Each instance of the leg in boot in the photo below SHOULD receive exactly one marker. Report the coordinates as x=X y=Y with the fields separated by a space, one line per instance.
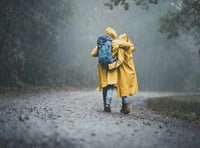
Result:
x=109 y=95
x=104 y=93
x=125 y=105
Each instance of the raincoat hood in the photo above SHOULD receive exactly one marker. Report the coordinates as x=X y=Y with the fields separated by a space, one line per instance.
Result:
x=111 y=32
x=123 y=37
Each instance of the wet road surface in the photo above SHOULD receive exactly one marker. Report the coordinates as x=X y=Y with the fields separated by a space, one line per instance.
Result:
x=67 y=119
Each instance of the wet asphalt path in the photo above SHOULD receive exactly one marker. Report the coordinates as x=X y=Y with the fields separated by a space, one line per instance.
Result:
x=67 y=119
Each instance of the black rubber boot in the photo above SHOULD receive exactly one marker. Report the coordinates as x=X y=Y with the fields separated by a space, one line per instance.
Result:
x=107 y=108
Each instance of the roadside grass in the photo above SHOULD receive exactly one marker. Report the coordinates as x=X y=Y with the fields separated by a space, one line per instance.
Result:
x=184 y=107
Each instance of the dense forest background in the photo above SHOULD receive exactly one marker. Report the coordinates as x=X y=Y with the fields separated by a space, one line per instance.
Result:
x=48 y=42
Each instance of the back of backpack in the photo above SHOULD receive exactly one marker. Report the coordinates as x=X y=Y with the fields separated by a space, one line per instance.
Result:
x=104 y=43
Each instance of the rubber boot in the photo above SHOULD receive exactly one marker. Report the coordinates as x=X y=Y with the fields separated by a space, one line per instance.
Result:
x=125 y=108
x=107 y=108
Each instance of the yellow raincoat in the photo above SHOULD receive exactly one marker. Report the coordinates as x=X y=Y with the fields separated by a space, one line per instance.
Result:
x=127 y=78
x=106 y=77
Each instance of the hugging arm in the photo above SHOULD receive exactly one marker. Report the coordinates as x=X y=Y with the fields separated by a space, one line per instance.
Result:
x=120 y=60
x=123 y=44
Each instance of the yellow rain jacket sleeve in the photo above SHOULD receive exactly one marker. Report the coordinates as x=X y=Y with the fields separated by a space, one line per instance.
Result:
x=94 y=52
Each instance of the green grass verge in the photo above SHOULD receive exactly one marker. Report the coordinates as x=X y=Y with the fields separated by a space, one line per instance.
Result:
x=185 y=107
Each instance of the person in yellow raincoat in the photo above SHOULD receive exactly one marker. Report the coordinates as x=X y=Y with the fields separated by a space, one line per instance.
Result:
x=108 y=80
x=127 y=78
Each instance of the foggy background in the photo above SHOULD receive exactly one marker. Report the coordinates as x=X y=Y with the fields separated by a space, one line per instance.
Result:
x=48 y=43
x=161 y=64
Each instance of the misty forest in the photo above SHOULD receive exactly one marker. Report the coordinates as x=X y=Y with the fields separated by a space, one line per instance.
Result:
x=48 y=43
x=50 y=69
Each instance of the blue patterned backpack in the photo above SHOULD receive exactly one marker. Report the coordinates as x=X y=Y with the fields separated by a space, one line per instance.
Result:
x=104 y=44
